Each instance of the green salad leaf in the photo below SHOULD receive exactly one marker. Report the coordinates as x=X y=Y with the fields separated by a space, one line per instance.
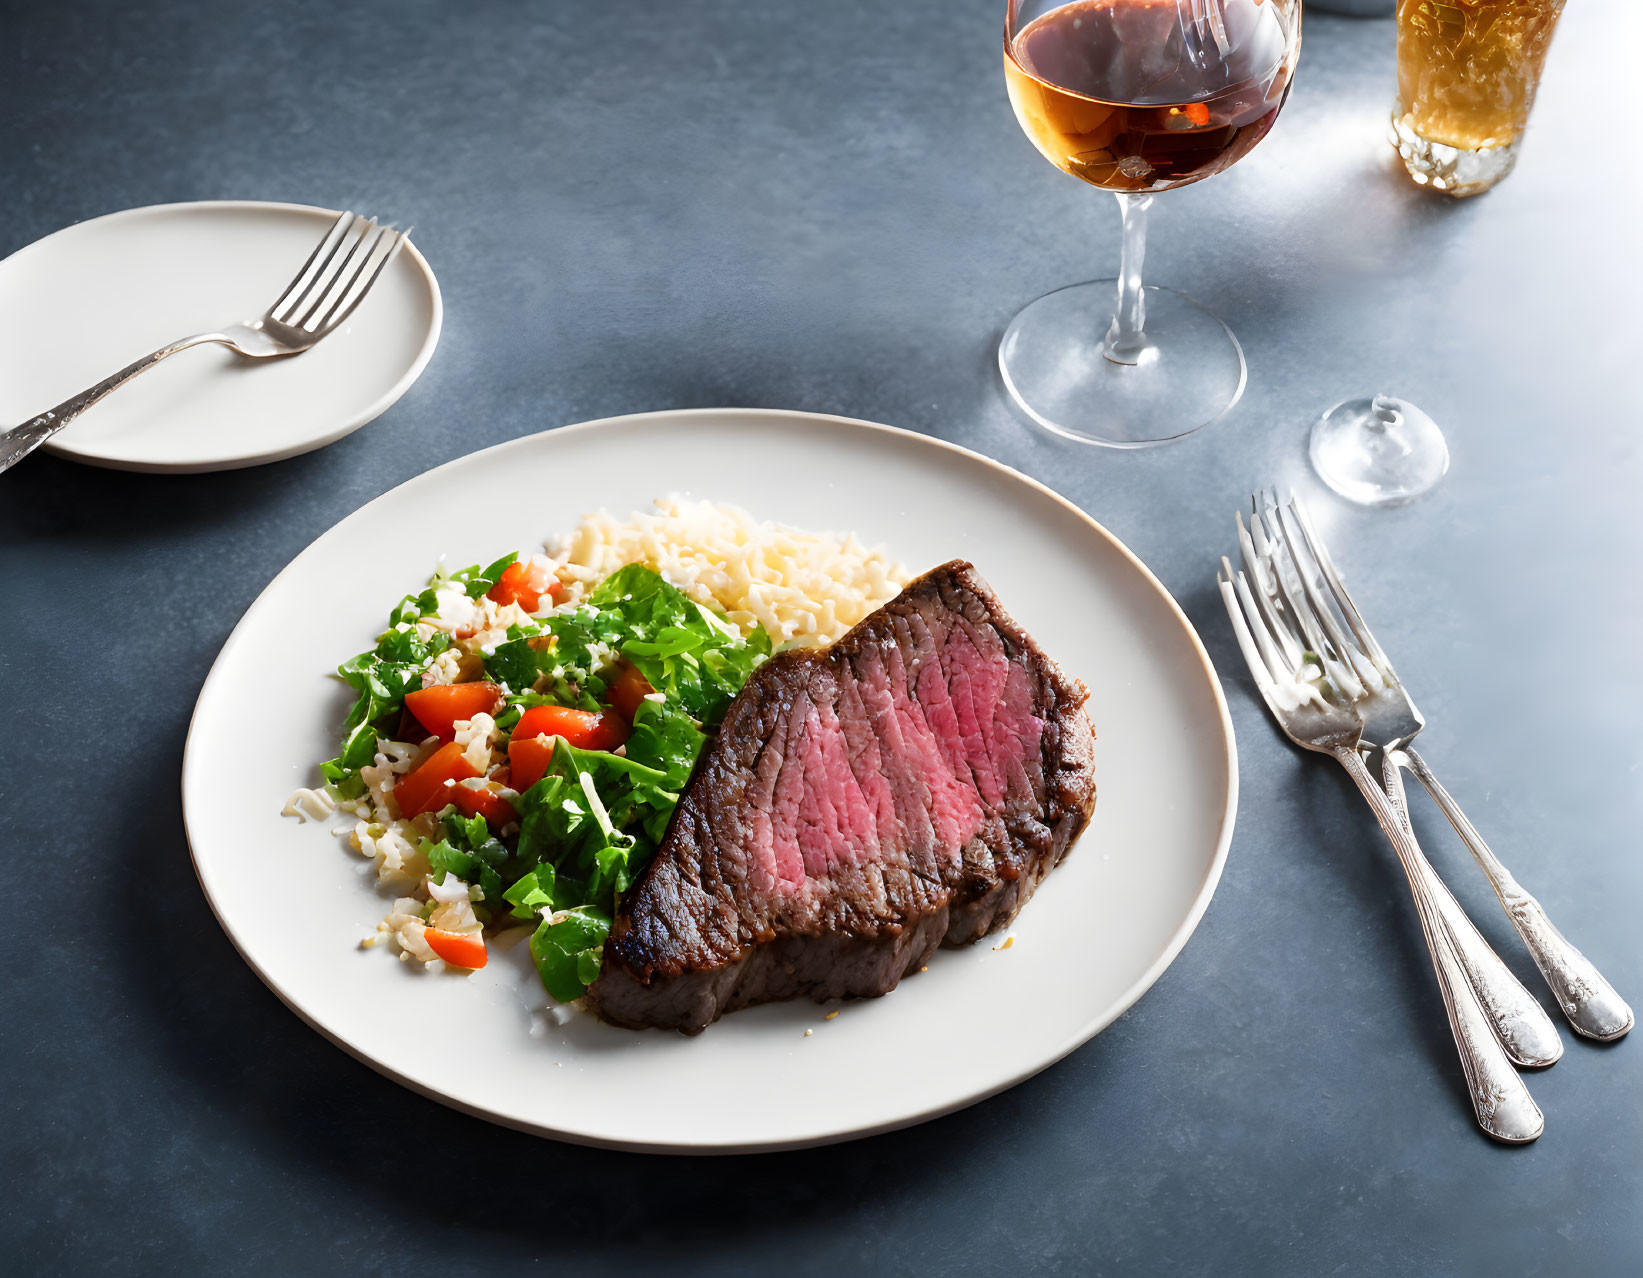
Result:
x=470 y=852
x=594 y=819
x=691 y=654
x=590 y=818
x=686 y=651
x=513 y=665
x=535 y=892
x=568 y=948
x=666 y=739
x=474 y=579
x=382 y=677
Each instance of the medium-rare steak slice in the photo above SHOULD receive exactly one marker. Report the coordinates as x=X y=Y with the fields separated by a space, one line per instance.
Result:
x=864 y=803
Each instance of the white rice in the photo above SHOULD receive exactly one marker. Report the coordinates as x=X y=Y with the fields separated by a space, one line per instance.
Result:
x=309 y=805
x=800 y=586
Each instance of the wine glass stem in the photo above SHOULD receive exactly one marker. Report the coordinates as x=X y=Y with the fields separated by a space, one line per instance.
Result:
x=1125 y=339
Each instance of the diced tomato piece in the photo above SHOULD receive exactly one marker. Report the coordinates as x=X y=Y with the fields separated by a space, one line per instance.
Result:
x=440 y=708
x=425 y=788
x=531 y=748
x=611 y=731
x=487 y=803
x=554 y=721
x=510 y=588
x=584 y=729
x=525 y=585
x=629 y=690
x=459 y=949
x=528 y=759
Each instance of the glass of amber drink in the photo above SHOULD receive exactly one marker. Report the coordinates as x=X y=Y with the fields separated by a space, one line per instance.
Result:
x=1467 y=75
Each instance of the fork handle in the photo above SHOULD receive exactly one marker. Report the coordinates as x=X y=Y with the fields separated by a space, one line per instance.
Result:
x=1589 y=1001
x=19 y=443
x=1504 y=1108
x=1520 y=1024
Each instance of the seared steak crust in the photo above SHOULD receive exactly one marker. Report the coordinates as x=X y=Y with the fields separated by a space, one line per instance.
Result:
x=907 y=787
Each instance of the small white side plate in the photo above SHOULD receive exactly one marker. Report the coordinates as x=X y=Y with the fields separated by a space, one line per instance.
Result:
x=87 y=300
x=1100 y=931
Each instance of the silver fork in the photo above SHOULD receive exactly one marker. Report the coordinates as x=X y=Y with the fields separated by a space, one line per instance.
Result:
x=1589 y=1002
x=1316 y=716
x=334 y=280
x=1301 y=622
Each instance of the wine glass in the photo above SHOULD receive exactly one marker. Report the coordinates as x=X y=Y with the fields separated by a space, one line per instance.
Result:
x=1136 y=97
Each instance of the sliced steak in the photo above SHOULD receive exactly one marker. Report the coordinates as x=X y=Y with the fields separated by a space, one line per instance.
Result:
x=906 y=787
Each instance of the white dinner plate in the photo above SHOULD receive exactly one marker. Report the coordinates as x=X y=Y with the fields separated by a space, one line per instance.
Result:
x=1101 y=929
x=84 y=302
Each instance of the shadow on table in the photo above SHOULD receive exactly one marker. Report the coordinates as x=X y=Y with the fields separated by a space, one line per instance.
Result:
x=45 y=496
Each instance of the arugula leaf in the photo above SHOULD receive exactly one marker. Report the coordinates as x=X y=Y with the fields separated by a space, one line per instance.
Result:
x=576 y=817
x=469 y=833
x=667 y=739
x=410 y=609
x=469 y=852
x=345 y=781
x=684 y=650
x=476 y=580
x=486 y=577
x=493 y=572
x=532 y=893
x=514 y=664
x=444 y=858
x=568 y=949
x=382 y=677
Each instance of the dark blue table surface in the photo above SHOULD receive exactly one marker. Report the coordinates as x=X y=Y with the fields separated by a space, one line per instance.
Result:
x=829 y=207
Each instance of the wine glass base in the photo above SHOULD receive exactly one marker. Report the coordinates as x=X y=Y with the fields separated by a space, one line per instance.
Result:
x=1378 y=451
x=1054 y=365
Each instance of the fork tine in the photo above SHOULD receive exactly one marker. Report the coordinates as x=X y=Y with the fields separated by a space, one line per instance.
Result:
x=338 y=292
x=1274 y=660
x=323 y=283
x=1332 y=578
x=1246 y=642
x=395 y=241
x=1361 y=664
x=1258 y=568
x=294 y=289
x=1264 y=567
x=1334 y=663
x=1271 y=554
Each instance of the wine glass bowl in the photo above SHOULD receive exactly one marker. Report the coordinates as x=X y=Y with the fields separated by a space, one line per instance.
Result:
x=1137 y=97
x=1126 y=96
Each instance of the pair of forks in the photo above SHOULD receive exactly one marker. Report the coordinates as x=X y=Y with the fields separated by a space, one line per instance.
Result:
x=1332 y=689
x=348 y=260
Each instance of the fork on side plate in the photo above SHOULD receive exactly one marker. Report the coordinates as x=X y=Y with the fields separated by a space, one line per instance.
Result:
x=348 y=260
